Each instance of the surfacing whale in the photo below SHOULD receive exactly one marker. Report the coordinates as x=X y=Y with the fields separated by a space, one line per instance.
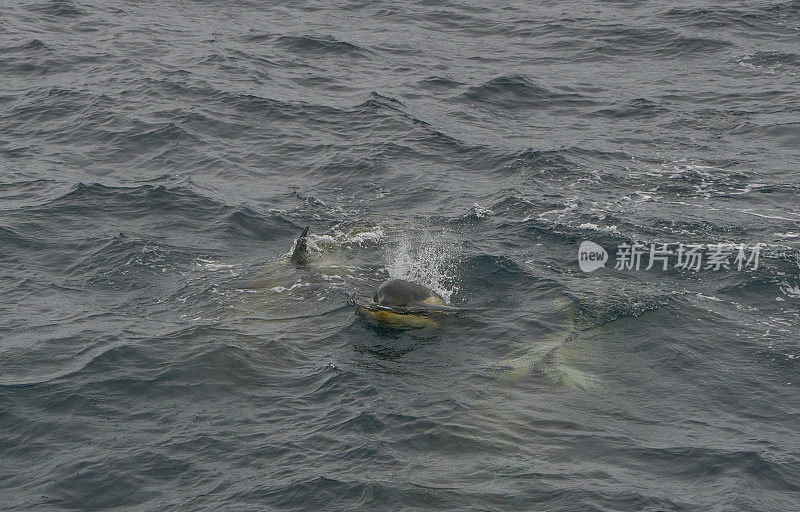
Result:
x=405 y=304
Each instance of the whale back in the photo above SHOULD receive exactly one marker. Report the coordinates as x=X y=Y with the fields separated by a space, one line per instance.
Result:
x=399 y=292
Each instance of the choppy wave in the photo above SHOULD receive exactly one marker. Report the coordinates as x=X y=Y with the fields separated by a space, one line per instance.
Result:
x=158 y=161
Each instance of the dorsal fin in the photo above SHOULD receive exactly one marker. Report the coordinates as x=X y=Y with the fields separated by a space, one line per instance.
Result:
x=300 y=253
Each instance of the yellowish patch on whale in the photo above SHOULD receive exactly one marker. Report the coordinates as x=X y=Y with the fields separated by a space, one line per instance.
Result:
x=403 y=321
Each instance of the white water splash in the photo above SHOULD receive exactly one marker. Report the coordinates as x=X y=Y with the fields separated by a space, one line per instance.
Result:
x=281 y=289
x=209 y=265
x=319 y=243
x=595 y=227
x=426 y=258
x=480 y=211
x=792 y=291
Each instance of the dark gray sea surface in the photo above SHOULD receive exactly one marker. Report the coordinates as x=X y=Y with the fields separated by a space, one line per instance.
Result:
x=158 y=352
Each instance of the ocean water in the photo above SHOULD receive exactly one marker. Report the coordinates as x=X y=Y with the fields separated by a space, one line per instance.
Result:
x=158 y=159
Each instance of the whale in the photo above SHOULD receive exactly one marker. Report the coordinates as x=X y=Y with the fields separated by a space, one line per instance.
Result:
x=404 y=304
